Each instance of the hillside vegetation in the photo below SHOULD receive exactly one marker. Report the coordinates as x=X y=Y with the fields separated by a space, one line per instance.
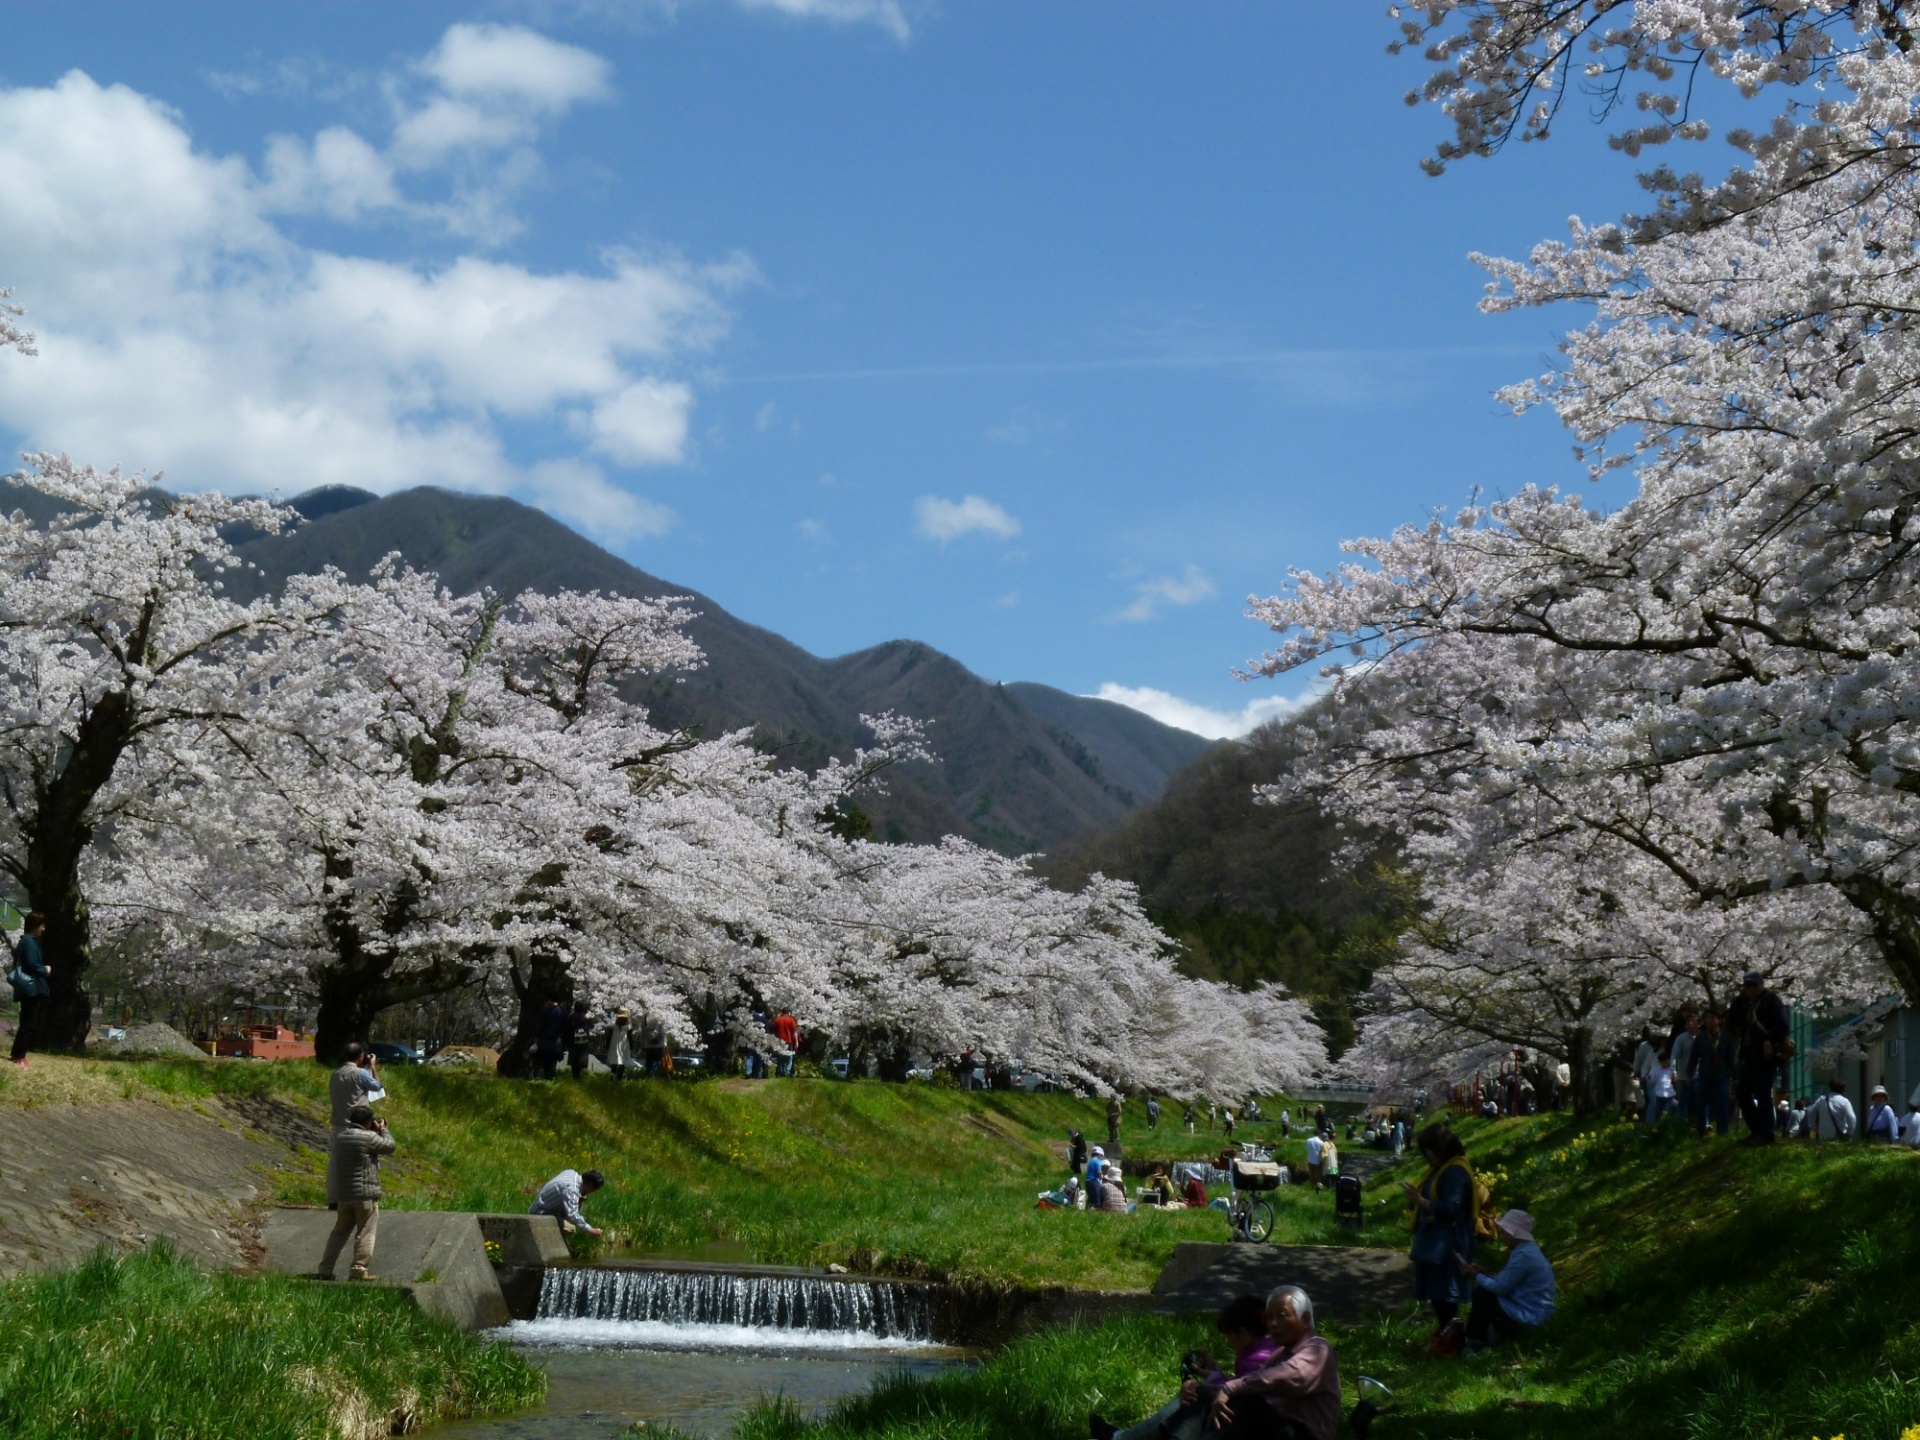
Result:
x=1707 y=1292
x=1252 y=891
x=908 y=1179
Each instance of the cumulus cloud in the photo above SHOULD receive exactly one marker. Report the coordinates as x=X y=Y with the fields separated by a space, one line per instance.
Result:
x=1171 y=710
x=183 y=328
x=1151 y=596
x=945 y=520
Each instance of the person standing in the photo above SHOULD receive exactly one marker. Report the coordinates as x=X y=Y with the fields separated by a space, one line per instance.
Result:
x=1153 y=1113
x=352 y=1083
x=786 y=1030
x=1076 y=1152
x=1113 y=1120
x=549 y=1040
x=578 y=1028
x=1682 y=1060
x=1760 y=1025
x=1881 y=1126
x=1661 y=1097
x=1713 y=1060
x=1443 y=1215
x=1831 y=1117
x=1189 y=1119
x=1316 y=1154
x=1286 y=1124
x=1910 y=1127
x=30 y=985
x=353 y=1177
x=1226 y=1121
x=620 y=1043
x=1330 y=1161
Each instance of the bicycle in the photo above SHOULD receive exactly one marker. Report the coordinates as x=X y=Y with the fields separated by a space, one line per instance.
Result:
x=1251 y=1174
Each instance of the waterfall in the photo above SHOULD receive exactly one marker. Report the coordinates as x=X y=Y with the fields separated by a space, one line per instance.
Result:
x=869 y=1309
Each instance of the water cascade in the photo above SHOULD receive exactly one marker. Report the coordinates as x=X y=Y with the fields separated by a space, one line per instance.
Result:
x=780 y=1309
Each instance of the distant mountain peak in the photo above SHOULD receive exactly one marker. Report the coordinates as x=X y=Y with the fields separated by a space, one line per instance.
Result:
x=325 y=500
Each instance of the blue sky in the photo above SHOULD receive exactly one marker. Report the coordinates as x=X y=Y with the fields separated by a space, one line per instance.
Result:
x=1044 y=334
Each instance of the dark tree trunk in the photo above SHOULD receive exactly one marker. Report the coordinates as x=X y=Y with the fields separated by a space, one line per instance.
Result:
x=1585 y=1067
x=547 y=978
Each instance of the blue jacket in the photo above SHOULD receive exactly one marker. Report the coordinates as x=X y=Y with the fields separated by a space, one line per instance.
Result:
x=1525 y=1286
x=1443 y=1233
x=33 y=965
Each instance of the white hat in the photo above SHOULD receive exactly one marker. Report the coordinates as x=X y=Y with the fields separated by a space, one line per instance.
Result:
x=1517 y=1223
x=1098 y=1151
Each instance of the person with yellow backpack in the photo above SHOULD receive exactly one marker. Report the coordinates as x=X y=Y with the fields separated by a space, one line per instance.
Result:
x=1449 y=1203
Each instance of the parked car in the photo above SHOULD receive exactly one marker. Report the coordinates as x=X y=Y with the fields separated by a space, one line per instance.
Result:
x=688 y=1062
x=389 y=1053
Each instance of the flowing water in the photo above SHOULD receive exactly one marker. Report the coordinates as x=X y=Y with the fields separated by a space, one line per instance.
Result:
x=695 y=1349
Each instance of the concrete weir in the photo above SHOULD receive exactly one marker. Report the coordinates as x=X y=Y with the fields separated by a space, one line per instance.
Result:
x=438 y=1257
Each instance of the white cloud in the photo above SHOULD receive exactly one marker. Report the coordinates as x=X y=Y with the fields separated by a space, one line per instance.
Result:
x=811 y=529
x=889 y=15
x=1185 y=715
x=945 y=520
x=1149 y=596
x=181 y=328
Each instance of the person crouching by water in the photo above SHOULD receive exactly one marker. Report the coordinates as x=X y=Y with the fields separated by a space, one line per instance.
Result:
x=353 y=1179
x=1244 y=1323
x=1519 y=1296
x=1296 y=1394
x=1443 y=1211
x=560 y=1197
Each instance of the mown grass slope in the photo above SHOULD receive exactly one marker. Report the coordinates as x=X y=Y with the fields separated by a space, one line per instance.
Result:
x=913 y=1179
x=147 y=1347
x=1708 y=1292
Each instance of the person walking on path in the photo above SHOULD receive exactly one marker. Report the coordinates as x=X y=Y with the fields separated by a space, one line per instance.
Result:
x=1713 y=1061
x=560 y=1197
x=1444 y=1206
x=30 y=976
x=1760 y=1025
x=353 y=1178
x=1520 y=1295
x=1831 y=1117
x=1881 y=1126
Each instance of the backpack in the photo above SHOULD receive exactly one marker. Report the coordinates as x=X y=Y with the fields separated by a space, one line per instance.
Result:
x=1485 y=1212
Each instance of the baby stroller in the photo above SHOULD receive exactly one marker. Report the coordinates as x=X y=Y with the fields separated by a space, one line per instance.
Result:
x=1347 y=1209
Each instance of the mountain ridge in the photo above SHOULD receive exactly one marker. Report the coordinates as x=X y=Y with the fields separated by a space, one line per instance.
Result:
x=1021 y=767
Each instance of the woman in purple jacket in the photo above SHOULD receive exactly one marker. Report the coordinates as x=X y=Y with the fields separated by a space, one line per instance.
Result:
x=1244 y=1323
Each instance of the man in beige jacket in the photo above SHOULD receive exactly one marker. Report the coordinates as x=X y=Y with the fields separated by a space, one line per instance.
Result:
x=353 y=1179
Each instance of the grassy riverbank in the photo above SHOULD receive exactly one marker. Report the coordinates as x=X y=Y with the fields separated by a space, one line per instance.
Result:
x=912 y=1179
x=1707 y=1292
x=149 y=1347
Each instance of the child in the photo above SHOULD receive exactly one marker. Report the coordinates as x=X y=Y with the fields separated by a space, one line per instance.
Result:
x=1244 y=1323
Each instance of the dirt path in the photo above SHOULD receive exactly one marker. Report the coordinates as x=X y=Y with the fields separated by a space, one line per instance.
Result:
x=124 y=1172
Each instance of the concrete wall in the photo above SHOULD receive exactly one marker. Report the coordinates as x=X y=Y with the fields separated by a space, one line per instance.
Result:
x=438 y=1257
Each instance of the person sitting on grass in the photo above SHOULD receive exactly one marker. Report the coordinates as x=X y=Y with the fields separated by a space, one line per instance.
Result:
x=1195 y=1191
x=1161 y=1184
x=1113 y=1190
x=1063 y=1198
x=560 y=1197
x=1519 y=1296
x=1296 y=1394
x=1244 y=1323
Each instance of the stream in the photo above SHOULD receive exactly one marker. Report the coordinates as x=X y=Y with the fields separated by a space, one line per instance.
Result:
x=696 y=1350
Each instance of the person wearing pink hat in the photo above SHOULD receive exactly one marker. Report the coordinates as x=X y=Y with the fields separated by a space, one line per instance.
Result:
x=1519 y=1296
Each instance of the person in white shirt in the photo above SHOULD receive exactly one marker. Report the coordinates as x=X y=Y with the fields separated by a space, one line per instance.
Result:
x=1910 y=1127
x=560 y=1197
x=1661 y=1098
x=1881 y=1124
x=1316 y=1149
x=1831 y=1117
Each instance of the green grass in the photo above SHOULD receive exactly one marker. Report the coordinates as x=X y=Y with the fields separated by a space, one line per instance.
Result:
x=148 y=1347
x=910 y=1179
x=1707 y=1292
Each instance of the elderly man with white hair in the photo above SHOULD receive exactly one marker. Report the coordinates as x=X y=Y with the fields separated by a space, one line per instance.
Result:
x=1296 y=1394
x=1520 y=1295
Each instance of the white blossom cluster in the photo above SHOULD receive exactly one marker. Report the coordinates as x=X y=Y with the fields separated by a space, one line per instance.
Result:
x=366 y=793
x=1636 y=752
